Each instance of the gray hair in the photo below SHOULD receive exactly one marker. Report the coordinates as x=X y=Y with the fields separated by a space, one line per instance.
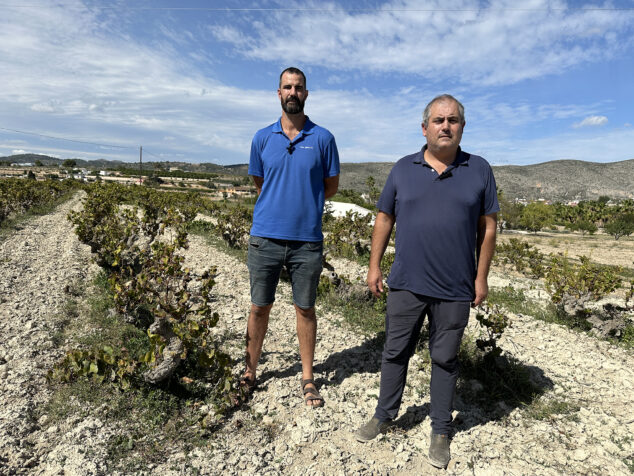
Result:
x=442 y=97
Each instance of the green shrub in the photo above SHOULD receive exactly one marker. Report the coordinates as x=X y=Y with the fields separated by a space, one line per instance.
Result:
x=536 y=216
x=573 y=286
x=524 y=257
x=348 y=236
x=622 y=225
x=493 y=322
x=234 y=223
x=146 y=272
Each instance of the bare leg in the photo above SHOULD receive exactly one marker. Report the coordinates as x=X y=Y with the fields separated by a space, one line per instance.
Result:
x=307 y=335
x=256 y=330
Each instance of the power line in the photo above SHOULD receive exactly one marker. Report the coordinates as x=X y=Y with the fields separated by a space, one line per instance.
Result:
x=82 y=142
x=331 y=10
x=69 y=140
x=145 y=151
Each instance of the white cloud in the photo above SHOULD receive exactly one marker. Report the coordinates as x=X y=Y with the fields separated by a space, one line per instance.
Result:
x=18 y=152
x=499 y=44
x=42 y=108
x=480 y=110
x=69 y=73
x=592 y=121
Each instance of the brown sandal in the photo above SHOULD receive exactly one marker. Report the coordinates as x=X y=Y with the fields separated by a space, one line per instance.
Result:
x=246 y=386
x=311 y=394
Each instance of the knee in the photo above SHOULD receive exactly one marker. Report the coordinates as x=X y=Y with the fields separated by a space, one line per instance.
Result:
x=308 y=313
x=307 y=316
x=396 y=356
x=260 y=312
x=445 y=359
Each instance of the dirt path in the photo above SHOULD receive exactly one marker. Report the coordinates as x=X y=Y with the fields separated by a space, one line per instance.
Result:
x=38 y=263
x=276 y=434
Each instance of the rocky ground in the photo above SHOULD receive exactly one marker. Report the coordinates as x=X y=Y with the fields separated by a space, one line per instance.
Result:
x=275 y=433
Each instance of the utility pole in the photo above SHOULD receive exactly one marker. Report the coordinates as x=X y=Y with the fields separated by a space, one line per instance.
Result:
x=140 y=164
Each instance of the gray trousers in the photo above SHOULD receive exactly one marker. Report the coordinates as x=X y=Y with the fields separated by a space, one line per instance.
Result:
x=404 y=319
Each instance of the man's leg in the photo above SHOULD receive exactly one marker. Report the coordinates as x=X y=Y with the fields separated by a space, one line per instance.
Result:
x=304 y=261
x=265 y=261
x=307 y=335
x=403 y=321
x=447 y=322
x=256 y=330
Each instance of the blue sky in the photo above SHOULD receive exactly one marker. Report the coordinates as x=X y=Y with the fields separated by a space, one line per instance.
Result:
x=193 y=80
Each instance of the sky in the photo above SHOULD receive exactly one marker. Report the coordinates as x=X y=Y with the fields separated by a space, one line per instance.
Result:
x=193 y=80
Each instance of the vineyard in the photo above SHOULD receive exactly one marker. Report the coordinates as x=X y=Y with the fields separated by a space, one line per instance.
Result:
x=123 y=311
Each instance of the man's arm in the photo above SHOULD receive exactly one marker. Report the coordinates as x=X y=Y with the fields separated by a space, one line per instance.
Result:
x=258 y=181
x=383 y=224
x=331 y=184
x=487 y=226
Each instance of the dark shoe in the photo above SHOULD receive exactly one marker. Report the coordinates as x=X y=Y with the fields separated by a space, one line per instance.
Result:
x=439 y=454
x=371 y=430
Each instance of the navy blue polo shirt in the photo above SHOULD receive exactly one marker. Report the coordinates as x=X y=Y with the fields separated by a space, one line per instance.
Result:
x=436 y=223
x=291 y=203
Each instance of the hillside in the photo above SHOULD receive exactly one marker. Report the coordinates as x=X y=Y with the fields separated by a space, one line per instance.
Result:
x=116 y=164
x=559 y=180
x=556 y=180
x=567 y=180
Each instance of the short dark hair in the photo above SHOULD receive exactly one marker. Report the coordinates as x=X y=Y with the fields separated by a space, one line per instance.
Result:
x=442 y=97
x=293 y=70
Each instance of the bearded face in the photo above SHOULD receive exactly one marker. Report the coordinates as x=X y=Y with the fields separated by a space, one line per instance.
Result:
x=292 y=104
x=292 y=93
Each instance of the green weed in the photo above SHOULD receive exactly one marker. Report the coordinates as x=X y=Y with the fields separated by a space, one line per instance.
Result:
x=516 y=302
x=627 y=340
x=547 y=409
x=360 y=315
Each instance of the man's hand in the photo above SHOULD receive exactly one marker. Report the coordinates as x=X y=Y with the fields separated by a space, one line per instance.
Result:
x=331 y=184
x=383 y=224
x=481 y=291
x=375 y=281
x=258 y=182
x=485 y=247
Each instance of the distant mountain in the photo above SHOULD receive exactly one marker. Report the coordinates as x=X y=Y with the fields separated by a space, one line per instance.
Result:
x=567 y=180
x=115 y=164
x=31 y=158
x=560 y=180
x=238 y=169
x=354 y=175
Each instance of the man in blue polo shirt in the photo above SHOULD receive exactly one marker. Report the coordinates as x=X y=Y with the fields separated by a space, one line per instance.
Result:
x=295 y=167
x=444 y=203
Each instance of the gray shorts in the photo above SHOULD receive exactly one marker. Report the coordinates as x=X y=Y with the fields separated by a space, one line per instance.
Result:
x=303 y=260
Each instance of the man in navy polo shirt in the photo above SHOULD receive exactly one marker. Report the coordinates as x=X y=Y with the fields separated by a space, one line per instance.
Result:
x=444 y=203
x=295 y=167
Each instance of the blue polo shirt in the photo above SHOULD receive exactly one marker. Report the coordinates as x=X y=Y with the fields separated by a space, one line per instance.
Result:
x=436 y=223
x=291 y=203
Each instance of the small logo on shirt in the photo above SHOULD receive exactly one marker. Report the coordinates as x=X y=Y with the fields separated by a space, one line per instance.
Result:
x=305 y=146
